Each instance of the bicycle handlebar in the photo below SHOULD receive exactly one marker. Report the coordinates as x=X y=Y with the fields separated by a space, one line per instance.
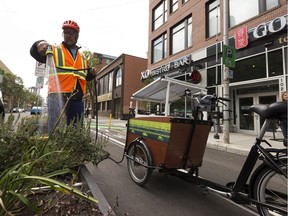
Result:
x=212 y=99
x=223 y=99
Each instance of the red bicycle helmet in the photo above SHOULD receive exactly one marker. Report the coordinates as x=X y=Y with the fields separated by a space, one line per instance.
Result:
x=71 y=24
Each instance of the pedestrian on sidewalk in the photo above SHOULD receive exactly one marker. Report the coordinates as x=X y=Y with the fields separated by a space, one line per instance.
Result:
x=283 y=122
x=72 y=72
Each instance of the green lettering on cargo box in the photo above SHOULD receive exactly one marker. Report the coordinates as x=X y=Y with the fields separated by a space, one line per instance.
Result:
x=150 y=129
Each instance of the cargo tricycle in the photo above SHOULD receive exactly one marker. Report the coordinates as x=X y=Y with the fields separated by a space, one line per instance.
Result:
x=176 y=146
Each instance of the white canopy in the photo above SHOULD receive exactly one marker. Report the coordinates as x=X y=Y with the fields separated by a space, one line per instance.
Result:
x=166 y=90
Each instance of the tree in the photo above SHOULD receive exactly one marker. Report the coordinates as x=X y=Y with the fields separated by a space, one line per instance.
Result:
x=91 y=86
x=14 y=92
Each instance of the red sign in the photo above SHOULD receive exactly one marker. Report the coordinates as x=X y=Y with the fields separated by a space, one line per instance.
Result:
x=196 y=77
x=241 y=38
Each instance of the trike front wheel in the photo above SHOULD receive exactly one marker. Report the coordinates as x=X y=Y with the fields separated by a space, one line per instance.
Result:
x=271 y=188
x=139 y=162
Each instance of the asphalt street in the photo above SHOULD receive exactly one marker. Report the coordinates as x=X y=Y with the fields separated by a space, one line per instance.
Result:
x=164 y=194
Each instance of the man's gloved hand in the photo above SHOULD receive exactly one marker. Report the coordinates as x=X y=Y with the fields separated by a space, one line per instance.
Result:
x=93 y=71
x=42 y=47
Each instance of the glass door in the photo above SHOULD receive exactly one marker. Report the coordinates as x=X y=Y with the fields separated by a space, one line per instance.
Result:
x=268 y=100
x=251 y=122
x=246 y=117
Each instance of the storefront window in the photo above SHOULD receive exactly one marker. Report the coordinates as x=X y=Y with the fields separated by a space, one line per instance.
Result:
x=181 y=36
x=212 y=78
x=109 y=105
x=103 y=105
x=249 y=69
x=245 y=115
x=159 y=46
x=275 y=65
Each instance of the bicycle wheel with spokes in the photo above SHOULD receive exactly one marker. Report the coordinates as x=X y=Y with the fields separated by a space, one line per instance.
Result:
x=138 y=161
x=271 y=188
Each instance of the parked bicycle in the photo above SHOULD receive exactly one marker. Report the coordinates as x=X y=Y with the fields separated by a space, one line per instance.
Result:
x=171 y=145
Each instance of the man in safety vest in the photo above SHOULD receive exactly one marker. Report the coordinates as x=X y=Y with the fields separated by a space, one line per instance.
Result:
x=69 y=79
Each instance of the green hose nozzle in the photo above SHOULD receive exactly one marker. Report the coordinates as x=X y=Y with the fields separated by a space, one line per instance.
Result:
x=49 y=50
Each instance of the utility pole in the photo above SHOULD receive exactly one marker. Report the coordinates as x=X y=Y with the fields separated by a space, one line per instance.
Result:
x=226 y=138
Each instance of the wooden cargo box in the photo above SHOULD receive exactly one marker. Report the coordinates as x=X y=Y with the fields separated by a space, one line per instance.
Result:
x=168 y=139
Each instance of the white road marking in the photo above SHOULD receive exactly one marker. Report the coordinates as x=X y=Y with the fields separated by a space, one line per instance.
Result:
x=121 y=144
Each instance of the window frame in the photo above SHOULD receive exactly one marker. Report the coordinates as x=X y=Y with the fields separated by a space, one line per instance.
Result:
x=208 y=11
x=262 y=8
x=186 y=24
x=162 y=16
x=174 y=5
x=162 y=40
x=118 y=78
x=110 y=81
x=184 y=1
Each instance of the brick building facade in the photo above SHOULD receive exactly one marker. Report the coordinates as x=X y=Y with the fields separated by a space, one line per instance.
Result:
x=116 y=83
x=183 y=35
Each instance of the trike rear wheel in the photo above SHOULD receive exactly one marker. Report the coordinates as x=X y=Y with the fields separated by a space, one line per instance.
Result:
x=138 y=161
x=271 y=188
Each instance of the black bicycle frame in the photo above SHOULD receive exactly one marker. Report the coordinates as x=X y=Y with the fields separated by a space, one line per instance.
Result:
x=236 y=192
x=255 y=152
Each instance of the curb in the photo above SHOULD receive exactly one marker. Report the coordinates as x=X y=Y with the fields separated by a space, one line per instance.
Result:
x=87 y=173
x=228 y=148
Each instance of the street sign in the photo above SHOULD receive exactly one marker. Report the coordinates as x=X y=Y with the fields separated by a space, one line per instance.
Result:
x=40 y=69
x=229 y=56
x=40 y=82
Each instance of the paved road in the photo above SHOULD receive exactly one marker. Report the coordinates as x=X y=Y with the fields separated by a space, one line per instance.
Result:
x=166 y=195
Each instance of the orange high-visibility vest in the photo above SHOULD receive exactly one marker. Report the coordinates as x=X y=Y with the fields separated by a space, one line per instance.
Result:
x=68 y=71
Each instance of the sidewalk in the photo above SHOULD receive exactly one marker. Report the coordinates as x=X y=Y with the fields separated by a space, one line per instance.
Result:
x=239 y=143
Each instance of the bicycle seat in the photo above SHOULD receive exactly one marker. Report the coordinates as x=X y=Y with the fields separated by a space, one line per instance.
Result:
x=267 y=111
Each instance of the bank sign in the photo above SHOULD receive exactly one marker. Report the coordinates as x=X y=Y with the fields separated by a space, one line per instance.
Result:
x=163 y=69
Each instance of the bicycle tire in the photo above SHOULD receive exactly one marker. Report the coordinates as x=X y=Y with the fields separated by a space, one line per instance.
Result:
x=138 y=166
x=271 y=188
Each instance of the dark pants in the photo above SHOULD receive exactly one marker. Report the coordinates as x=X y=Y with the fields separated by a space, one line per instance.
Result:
x=73 y=113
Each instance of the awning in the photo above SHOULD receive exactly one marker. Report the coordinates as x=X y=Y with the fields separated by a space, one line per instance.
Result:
x=157 y=90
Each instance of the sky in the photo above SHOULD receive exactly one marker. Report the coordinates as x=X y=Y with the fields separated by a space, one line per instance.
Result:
x=111 y=27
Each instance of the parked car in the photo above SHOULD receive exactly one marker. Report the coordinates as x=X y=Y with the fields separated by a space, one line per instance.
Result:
x=36 y=110
x=21 y=110
x=15 y=110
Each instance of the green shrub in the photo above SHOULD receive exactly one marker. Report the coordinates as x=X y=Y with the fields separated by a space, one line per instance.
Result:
x=30 y=158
